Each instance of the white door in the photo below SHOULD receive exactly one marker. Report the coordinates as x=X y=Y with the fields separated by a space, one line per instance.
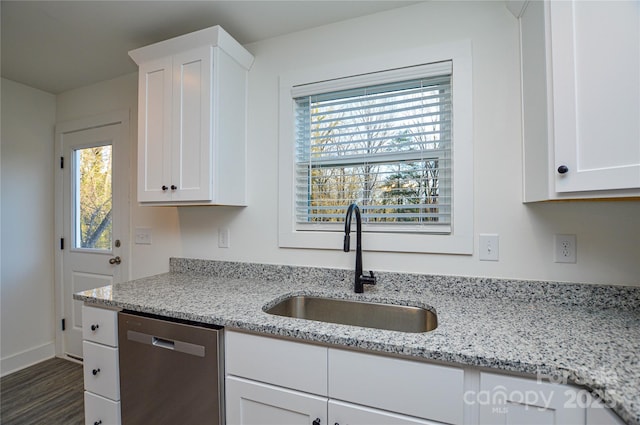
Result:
x=596 y=92
x=91 y=222
x=154 y=131
x=192 y=125
x=254 y=403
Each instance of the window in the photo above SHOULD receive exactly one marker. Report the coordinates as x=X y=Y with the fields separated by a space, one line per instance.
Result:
x=93 y=197
x=392 y=134
x=386 y=147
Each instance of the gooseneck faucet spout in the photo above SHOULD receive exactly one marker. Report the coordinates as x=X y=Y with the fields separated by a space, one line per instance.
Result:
x=360 y=280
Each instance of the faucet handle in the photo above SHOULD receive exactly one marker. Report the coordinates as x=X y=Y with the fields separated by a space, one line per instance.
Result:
x=368 y=280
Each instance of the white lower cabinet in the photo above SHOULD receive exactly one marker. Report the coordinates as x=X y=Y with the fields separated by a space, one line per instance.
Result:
x=507 y=400
x=101 y=366
x=254 y=403
x=99 y=410
x=419 y=389
x=277 y=381
x=599 y=414
x=101 y=374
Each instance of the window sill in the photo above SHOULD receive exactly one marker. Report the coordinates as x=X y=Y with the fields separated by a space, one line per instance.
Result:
x=382 y=242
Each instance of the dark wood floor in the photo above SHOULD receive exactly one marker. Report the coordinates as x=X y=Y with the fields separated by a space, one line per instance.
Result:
x=47 y=393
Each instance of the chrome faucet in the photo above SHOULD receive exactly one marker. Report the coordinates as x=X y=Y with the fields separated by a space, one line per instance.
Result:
x=360 y=280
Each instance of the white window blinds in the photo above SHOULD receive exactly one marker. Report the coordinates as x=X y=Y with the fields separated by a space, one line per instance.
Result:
x=381 y=140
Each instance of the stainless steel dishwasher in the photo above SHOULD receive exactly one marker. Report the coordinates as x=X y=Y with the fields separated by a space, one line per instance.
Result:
x=170 y=371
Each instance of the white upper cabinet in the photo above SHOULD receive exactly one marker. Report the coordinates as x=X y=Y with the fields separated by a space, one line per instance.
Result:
x=192 y=102
x=581 y=99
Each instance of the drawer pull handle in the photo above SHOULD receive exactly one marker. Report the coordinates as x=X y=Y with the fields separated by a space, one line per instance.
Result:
x=95 y=371
x=316 y=422
x=95 y=327
x=98 y=422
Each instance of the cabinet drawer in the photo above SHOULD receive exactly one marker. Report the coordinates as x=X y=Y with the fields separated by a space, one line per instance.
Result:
x=100 y=325
x=288 y=364
x=511 y=399
x=347 y=413
x=101 y=373
x=100 y=410
x=408 y=387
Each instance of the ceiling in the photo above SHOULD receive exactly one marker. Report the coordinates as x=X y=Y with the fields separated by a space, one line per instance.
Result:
x=57 y=46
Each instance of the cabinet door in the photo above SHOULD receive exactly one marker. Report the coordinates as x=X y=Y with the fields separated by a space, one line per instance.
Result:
x=506 y=400
x=596 y=94
x=154 y=130
x=599 y=414
x=350 y=414
x=253 y=403
x=192 y=125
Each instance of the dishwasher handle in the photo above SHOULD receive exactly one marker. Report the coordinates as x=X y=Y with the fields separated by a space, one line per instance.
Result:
x=164 y=343
x=168 y=344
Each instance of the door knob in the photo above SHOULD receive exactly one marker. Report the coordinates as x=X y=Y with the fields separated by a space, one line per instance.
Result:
x=115 y=260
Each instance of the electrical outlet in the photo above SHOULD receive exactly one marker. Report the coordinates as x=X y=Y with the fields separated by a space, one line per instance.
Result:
x=223 y=238
x=565 y=248
x=143 y=236
x=489 y=247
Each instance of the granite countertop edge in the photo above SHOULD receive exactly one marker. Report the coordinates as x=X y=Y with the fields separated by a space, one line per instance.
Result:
x=234 y=295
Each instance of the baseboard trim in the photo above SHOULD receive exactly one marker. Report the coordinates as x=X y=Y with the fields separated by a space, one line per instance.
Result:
x=26 y=358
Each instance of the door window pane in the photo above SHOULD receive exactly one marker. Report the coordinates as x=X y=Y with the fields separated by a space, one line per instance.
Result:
x=93 y=197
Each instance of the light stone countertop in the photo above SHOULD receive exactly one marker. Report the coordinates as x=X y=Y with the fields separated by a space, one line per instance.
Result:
x=588 y=334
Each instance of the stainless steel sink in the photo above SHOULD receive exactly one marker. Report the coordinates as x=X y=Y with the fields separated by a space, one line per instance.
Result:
x=357 y=313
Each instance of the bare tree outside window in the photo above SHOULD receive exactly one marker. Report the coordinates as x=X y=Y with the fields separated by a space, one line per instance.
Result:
x=386 y=147
x=93 y=197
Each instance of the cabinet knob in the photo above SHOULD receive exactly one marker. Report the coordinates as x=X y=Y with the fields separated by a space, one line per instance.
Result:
x=95 y=327
x=98 y=422
x=563 y=169
x=316 y=422
x=95 y=371
x=164 y=188
x=174 y=187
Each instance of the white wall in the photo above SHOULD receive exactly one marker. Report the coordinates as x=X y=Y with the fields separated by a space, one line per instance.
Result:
x=122 y=94
x=26 y=293
x=607 y=232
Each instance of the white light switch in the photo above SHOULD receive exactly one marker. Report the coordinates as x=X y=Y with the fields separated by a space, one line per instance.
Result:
x=489 y=247
x=143 y=235
x=223 y=238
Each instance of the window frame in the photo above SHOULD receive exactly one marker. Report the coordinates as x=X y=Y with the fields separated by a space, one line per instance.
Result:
x=317 y=236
